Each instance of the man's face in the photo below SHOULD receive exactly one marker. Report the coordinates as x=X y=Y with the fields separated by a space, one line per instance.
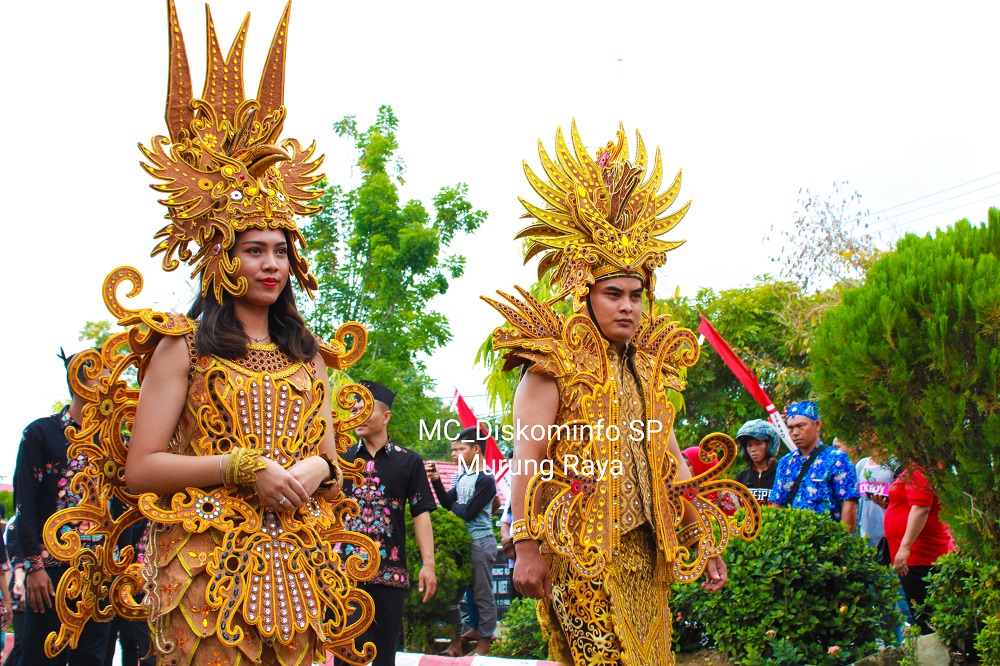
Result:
x=804 y=431
x=456 y=451
x=375 y=425
x=617 y=305
x=757 y=450
x=466 y=451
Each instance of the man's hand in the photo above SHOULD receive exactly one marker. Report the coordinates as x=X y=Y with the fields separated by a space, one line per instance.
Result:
x=507 y=546
x=716 y=575
x=427 y=582
x=40 y=592
x=531 y=576
x=6 y=613
x=432 y=471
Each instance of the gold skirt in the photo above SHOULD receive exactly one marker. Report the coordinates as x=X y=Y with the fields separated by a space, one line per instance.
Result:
x=619 y=617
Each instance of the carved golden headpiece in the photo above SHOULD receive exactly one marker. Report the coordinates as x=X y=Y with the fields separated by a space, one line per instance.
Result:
x=223 y=167
x=600 y=219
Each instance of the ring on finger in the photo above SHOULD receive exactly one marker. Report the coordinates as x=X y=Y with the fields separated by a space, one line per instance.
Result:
x=282 y=500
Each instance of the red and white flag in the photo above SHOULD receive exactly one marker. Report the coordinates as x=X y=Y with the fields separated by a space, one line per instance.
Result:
x=494 y=458
x=746 y=377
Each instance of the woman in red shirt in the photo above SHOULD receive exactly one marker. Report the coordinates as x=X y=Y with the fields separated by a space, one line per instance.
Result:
x=916 y=537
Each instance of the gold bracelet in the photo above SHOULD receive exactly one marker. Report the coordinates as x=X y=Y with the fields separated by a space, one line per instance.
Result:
x=690 y=535
x=519 y=531
x=243 y=467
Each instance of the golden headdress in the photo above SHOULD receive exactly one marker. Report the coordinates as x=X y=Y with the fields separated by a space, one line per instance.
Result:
x=600 y=220
x=223 y=168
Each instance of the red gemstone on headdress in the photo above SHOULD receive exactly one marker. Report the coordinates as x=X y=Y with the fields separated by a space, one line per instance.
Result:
x=216 y=249
x=603 y=160
x=576 y=487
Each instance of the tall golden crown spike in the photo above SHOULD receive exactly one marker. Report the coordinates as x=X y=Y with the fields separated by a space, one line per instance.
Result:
x=600 y=217
x=224 y=78
x=224 y=168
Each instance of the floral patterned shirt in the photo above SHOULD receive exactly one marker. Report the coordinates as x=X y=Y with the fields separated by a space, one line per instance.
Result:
x=42 y=486
x=393 y=478
x=829 y=483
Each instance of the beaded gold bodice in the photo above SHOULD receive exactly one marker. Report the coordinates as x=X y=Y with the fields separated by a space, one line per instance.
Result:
x=244 y=575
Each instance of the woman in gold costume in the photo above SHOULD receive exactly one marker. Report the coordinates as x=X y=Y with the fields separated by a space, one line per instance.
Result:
x=229 y=446
x=251 y=359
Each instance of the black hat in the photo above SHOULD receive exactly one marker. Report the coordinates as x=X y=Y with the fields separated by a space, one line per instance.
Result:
x=379 y=392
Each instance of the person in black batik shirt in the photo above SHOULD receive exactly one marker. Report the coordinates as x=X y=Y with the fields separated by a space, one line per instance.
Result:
x=42 y=486
x=393 y=477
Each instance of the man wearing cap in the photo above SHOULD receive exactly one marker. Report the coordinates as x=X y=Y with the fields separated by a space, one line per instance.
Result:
x=393 y=477
x=816 y=477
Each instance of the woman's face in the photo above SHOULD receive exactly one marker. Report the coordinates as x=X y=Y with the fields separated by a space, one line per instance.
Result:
x=263 y=255
x=757 y=450
x=617 y=305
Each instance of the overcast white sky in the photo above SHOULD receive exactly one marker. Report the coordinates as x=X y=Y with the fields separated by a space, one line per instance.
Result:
x=752 y=100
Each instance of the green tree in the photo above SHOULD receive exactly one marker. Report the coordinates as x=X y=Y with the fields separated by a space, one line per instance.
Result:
x=753 y=321
x=96 y=333
x=911 y=360
x=379 y=262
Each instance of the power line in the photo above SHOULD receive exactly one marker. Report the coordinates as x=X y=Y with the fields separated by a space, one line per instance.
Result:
x=969 y=203
x=935 y=203
x=947 y=189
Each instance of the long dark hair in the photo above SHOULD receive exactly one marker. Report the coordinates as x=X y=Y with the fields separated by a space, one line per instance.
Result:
x=221 y=334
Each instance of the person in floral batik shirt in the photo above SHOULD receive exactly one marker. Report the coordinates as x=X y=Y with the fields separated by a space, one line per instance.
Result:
x=829 y=484
x=393 y=476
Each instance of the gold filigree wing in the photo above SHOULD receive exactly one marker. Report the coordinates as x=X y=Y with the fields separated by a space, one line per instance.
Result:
x=192 y=194
x=670 y=348
x=88 y=582
x=709 y=534
x=350 y=610
x=345 y=399
x=198 y=510
x=298 y=176
x=99 y=448
x=569 y=500
x=335 y=352
x=535 y=334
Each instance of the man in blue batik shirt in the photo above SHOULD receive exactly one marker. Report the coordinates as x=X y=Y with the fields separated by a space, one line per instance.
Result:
x=829 y=484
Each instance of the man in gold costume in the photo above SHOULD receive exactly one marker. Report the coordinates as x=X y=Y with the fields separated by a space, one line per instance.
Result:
x=610 y=519
x=229 y=446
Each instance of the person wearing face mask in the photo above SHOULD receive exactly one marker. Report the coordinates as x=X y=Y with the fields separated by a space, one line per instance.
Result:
x=601 y=500
x=759 y=443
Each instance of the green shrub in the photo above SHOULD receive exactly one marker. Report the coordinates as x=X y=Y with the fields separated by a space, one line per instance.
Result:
x=803 y=592
x=422 y=623
x=962 y=595
x=912 y=360
x=988 y=641
x=522 y=636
